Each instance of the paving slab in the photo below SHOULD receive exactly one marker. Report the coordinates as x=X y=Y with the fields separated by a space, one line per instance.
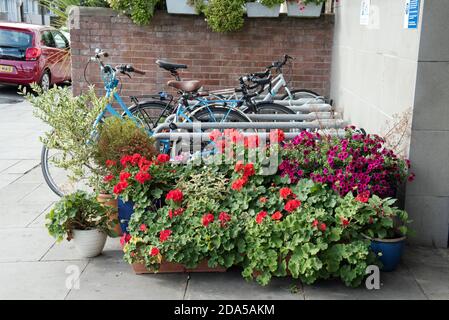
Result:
x=107 y=277
x=24 y=244
x=40 y=194
x=399 y=284
x=66 y=250
x=20 y=215
x=37 y=280
x=5 y=164
x=13 y=193
x=231 y=286
x=23 y=166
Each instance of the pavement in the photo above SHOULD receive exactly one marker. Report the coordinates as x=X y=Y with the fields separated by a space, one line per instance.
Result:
x=33 y=266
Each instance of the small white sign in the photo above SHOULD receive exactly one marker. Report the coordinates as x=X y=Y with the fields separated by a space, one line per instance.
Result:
x=364 y=12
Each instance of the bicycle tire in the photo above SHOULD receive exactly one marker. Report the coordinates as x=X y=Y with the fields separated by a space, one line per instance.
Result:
x=46 y=172
x=301 y=93
x=272 y=108
x=151 y=110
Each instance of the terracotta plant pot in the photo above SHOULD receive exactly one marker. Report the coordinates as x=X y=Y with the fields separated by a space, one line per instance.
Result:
x=109 y=201
x=171 y=267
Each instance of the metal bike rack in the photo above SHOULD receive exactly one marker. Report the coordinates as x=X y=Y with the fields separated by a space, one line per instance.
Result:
x=291 y=117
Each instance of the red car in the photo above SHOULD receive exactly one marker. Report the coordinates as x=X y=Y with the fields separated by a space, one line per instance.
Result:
x=32 y=53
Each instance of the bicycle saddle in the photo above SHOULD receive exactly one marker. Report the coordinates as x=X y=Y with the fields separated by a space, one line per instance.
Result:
x=170 y=66
x=186 y=86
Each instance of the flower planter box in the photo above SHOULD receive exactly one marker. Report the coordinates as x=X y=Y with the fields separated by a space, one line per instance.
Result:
x=180 y=7
x=257 y=10
x=171 y=267
x=310 y=10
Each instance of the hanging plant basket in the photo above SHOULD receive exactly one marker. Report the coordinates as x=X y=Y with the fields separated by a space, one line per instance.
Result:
x=257 y=10
x=311 y=10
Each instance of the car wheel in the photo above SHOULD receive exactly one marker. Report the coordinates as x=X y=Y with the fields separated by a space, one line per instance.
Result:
x=45 y=81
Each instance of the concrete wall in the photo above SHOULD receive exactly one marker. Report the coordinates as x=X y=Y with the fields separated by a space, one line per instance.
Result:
x=382 y=69
x=428 y=197
x=215 y=59
x=374 y=66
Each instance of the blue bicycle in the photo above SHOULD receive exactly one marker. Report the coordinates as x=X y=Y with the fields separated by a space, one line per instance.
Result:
x=146 y=111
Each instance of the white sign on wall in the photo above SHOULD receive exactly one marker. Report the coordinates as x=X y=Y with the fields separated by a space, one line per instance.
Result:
x=364 y=12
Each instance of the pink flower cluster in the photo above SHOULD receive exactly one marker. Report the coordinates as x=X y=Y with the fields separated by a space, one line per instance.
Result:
x=358 y=163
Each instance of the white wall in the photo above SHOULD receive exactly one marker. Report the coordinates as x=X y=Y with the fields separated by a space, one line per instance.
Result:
x=374 y=66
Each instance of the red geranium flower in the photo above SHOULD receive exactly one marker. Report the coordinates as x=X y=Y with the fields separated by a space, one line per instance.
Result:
x=207 y=218
x=108 y=178
x=135 y=158
x=162 y=158
x=125 y=238
x=260 y=216
x=239 y=166
x=154 y=252
x=285 y=192
x=251 y=142
x=323 y=227
x=143 y=227
x=125 y=159
x=124 y=175
x=224 y=217
x=120 y=187
x=110 y=163
x=164 y=234
x=238 y=184
x=292 y=205
x=315 y=223
x=363 y=197
x=142 y=177
x=263 y=200
x=175 y=195
x=214 y=135
x=344 y=222
x=249 y=171
x=277 y=215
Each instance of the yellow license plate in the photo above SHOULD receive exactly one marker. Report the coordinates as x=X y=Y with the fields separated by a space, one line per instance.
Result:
x=6 y=68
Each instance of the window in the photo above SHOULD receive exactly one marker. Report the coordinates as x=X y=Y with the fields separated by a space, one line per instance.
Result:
x=47 y=39
x=60 y=41
x=3 y=6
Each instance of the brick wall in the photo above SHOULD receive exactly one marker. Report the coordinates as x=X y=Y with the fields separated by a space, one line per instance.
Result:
x=215 y=59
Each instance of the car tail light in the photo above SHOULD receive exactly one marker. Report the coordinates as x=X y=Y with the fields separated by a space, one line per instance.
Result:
x=33 y=54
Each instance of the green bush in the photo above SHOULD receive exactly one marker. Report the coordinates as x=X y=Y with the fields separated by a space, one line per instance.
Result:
x=140 y=11
x=118 y=137
x=225 y=15
x=269 y=3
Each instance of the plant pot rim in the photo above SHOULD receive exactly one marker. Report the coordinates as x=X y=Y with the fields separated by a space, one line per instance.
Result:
x=88 y=230
x=399 y=239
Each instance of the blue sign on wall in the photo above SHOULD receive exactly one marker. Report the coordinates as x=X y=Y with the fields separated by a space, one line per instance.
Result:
x=411 y=14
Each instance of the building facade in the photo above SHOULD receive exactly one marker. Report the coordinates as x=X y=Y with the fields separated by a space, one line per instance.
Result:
x=28 y=11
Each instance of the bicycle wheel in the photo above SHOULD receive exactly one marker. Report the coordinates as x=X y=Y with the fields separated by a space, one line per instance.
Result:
x=300 y=94
x=58 y=179
x=151 y=113
x=272 y=108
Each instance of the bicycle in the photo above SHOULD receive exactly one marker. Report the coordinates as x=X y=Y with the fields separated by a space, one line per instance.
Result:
x=109 y=75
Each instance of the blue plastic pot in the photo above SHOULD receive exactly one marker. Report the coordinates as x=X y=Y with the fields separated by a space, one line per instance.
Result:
x=125 y=211
x=389 y=252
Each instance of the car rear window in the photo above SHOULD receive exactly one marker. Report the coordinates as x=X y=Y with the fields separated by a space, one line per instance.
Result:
x=13 y=44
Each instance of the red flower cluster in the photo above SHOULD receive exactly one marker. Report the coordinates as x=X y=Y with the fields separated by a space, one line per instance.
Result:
x=162 y=158
x=363 y=197
x=292 y=205
x=263 y=200
x=108 y=178
x=175 y=195
x=276 y=216
x=164 y=235
x=125 y=238
x=110 y=163
x=260 y=216
x=344 y=222
x=176 y=212
x=277 y=136
x=154 y=252
x=143 y=227
x=142 y=177
x=322 y=226
x=224 y=218
x=120 y=187
x=285 y=193
x=248 y=171
x=207 y=218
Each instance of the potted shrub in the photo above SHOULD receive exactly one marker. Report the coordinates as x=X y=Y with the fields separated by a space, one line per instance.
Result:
x=386 y=229
x=185 y=6
x=225 y=15
x=305 y=8
x=118 y=137
x=79 y=217
x=263 y=8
